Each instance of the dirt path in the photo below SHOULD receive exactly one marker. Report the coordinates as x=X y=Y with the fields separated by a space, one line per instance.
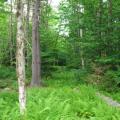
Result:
x=108 y=100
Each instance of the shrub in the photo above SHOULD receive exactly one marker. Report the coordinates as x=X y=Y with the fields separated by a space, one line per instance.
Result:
x=7 y=72
x=111 y=81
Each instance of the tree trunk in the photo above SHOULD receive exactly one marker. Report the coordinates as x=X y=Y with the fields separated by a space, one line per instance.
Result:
x=27 y=31
x=80 y=34
x=99 y=25
x=110 y=28
x=11 y=34
x=36 y=61
x=110 y=11
x=81 y=51
x=20 y=59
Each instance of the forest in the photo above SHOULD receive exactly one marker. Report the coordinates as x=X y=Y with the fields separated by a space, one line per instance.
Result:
x=59 y=59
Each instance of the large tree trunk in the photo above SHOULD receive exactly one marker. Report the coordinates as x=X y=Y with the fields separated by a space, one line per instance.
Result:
x=36 y=62
x=20 y=59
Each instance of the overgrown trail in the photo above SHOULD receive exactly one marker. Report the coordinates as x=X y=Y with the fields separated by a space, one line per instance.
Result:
x=108 y=100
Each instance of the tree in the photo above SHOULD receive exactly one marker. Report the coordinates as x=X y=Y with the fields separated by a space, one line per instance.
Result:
x=11 y=33
x=20 y=59
x=27 y=30
x=36 y=61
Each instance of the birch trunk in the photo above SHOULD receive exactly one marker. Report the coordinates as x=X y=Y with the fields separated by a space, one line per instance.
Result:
x=80 y=34
x=81 y=51
x=20 y=59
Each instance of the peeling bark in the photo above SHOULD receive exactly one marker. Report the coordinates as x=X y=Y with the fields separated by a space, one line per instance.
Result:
x=20 y=59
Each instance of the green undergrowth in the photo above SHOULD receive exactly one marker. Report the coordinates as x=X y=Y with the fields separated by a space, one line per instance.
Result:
x=64 y=97
x=8 y=77
x=63 y=103
x=7 y=72
x=69 y=78
x=114 y=95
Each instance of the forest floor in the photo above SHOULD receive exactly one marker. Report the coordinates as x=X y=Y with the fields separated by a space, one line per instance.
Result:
x=108 y=100
x=63 y=98
x=58 y=101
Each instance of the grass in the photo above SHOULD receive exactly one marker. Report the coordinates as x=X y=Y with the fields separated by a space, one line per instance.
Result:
x=64 y=98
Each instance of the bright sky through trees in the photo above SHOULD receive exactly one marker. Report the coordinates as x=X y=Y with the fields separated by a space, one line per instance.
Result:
x=54 y=3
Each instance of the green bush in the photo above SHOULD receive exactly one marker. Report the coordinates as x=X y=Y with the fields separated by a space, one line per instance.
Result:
x=7 y=72
x=111 y=81
x=8 y=77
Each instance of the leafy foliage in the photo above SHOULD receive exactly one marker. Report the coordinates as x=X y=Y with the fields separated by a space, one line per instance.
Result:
x=58 y=103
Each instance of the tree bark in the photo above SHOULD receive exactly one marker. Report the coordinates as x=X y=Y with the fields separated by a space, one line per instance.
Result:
x=20 y=59
x=27 y=31
x=11 y=34
x=110 y=28
x=80 y=34
x=99 y=25
x=81 y=51
x=110 y=11
x=36 y=61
